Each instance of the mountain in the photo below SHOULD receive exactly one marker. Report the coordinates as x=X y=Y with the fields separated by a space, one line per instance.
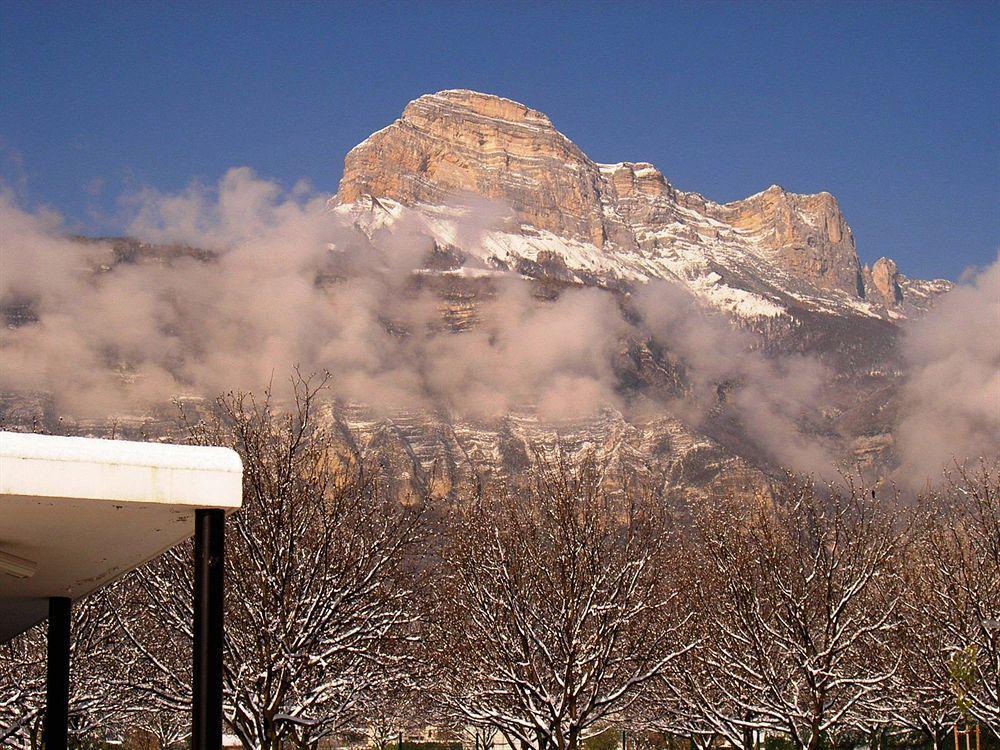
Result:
x=779 y=264
x=499 y=194
x=608 y=223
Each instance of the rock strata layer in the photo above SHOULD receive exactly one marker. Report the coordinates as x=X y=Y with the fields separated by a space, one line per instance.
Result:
x=461 y=146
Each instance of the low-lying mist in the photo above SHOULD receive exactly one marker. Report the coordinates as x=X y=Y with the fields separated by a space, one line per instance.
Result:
x=295 y=283
x=951 y=396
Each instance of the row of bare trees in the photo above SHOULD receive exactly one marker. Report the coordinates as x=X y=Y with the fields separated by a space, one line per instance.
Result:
x=545 y=606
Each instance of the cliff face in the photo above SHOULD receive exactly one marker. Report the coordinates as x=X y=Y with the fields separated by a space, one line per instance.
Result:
x=458 y=143
x=779 y=265
x=454 y=146
x=807 y=233
x=884 y=281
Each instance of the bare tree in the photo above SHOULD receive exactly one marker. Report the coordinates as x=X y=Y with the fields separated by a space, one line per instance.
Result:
x=923 y=694
x=481 y=737
x=170 y=729
x=94 y=706
x=955 y=601
x=685 y=701
x=318 y=581
x=403 y=706
x=397 y=710
x=552 y=610
x=794 y=601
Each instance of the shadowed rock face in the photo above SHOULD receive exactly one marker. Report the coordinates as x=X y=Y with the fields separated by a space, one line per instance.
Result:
x=454 y=144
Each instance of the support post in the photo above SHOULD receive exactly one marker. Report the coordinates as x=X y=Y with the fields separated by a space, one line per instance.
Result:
x=56 y=727
x=209 y=557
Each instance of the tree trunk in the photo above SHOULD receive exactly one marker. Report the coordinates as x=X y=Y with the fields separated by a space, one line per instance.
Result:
x=939 y=738
x=814 y=738
x=272 y=736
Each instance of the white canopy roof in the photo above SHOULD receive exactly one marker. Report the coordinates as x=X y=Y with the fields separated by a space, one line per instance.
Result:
x=82 y=512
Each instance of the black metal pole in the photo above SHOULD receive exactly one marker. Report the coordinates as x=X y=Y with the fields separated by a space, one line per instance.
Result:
x=56 y=727
x=209 y=556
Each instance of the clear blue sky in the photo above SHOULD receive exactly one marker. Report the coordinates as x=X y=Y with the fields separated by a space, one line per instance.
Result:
x=892 y=107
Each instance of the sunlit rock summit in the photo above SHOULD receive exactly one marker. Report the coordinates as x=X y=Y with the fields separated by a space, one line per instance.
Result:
x=551 y=208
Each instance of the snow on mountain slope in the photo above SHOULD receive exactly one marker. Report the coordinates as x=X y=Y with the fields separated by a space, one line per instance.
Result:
x=538 y=205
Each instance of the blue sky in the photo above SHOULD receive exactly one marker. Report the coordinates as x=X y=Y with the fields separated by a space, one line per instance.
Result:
x=892 y=107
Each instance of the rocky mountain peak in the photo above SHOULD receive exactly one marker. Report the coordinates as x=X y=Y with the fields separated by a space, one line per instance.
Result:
x=459 y=148
x=484 y=105
x=884 y=282
x=452 y=145
x=807 y=233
